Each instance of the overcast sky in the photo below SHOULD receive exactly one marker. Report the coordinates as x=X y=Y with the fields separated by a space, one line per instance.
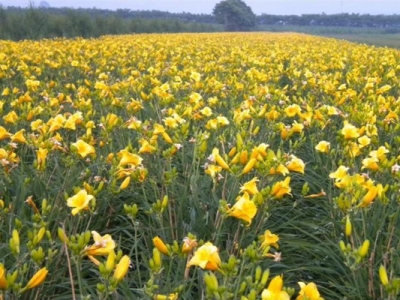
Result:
x=282 y=7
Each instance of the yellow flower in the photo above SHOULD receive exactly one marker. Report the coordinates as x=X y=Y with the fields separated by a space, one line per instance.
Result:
x=308 y=292
x=281 y=188
x=292 y=110
x=250 y=187
x=370 y=163
x=83 y=148
x=128 y=158
x=364 y=141
x=206 y=111
x=56 y=123
x=159 y=244
x=3 y=280
x=296 y=165
x=173 y=296
x=274 y=290
x=323 y=146
x=339 y=174
x=11 y=117
x=369 y=197
x=19 y=137
x=206 y=257
x=80 y=201
x=4 y=134
x=213 y=170
x=350 y=132
x=380 y=153
x=269 y=239
x=103 y=245
x=36 y=279
x=122 y=268
x=146 y=147
x=244 y=209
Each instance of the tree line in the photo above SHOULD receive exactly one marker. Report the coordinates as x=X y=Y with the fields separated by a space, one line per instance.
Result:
x=231 y=15
x=37 y=23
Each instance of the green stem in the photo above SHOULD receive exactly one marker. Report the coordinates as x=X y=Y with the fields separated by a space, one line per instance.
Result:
x=78 y=262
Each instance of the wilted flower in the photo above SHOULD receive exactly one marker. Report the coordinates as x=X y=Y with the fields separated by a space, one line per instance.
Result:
x=103 y=245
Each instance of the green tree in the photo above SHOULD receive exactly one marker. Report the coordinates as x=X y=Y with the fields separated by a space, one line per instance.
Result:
x=235 y=15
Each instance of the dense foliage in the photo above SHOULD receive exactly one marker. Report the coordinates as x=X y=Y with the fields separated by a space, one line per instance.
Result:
x=38 y=23
x=235 y=15
x=218 y=166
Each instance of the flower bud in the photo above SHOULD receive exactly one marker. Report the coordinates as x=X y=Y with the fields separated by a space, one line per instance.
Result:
x=383 y=275
x=363 y=251
x=348 y=226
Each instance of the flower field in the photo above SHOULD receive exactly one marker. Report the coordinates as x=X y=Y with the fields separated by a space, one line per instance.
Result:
x=199 y=166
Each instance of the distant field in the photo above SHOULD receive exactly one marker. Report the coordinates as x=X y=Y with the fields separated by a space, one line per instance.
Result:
x=380 y=37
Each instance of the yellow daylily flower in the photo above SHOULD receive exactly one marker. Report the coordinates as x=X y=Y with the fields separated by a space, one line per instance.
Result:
x=308 y=292
x=244 y=209
x=296 y=165
x=281 y=188
x=206 y=257
x=122 y=268
x=36 y=279
x=102 y=246
x=269 y=239
x=213 y=170
x=349 y=131
x=4 y=134
x=160 y=245
x=84 y=149
x=339 y=174
x=79 y=202
x=250 y=187
x=3 y=280
x=128 y=158
x=18 y=137
x=323 y=146
x=11 y=117
x=274 y=290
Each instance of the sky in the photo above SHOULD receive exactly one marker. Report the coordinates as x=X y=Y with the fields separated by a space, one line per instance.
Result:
x=277 y=7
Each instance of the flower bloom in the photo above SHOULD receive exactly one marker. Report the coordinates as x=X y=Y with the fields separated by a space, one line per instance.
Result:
x=250 y=187
x=339 y=174
x=128 y=158
x=269 y=239
x=244 y=209
x=206 y=257
x=103 y=245
x=281 y=188
x=296 y=165
x=122 y=268
x=274 y=290
x=350 y=132
x=173 y=296
x=80 y=201
x=36 y=279
x=308 y=292
x=323 y=146
x=83 y=148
